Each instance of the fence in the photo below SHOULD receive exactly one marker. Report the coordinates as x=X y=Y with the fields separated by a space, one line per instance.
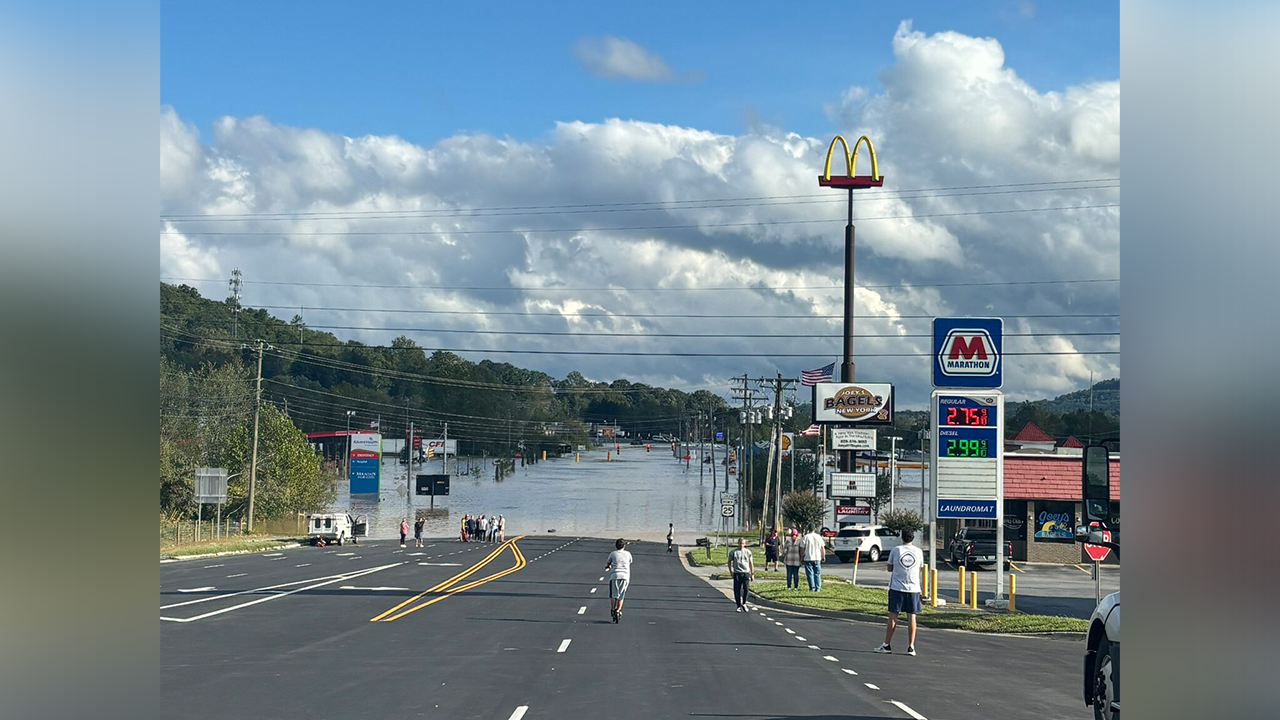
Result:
x=185 y=532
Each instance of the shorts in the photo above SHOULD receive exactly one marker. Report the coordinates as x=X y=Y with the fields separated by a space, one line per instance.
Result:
x=904 y=602
x=770 y=555
x=618 y=588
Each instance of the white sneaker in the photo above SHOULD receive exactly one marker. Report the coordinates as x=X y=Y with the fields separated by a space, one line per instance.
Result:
x=911 y=650
x=884 y=648
x=740 y=609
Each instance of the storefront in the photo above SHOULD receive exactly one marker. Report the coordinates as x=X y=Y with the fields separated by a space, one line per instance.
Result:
x=1043 y=491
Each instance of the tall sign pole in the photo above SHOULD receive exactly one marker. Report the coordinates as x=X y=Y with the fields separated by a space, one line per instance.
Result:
x=849 y=182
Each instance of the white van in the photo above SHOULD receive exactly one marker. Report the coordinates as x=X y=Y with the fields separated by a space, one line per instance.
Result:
x=874 y=540
x=332 y=527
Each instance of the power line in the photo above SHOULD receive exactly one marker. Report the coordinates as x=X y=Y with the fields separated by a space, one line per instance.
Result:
x=702 y=226
x=780 y=336
x=648 y=202
x=718 y=316
x=389 y=286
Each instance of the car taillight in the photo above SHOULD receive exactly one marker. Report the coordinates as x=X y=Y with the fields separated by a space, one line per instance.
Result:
x=969 y=549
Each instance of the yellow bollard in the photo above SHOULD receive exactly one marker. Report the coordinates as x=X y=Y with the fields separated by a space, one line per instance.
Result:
x=544 y=454
x=575 y=457
x=1013 y=593
x=933 y=590
x=961 y=586
x=608 y=457
x=973 y=591
x=924 y=581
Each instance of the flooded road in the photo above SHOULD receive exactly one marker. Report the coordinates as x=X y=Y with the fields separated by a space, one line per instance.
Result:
x=634 y=496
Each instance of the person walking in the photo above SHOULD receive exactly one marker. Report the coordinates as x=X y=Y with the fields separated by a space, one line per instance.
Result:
x=791 y=558
x=462 y=531
x=619 y=568
x=404 y=530
x=743 y=568
x=904 y=590
x=771 y=546
x=811 y=552
x=671 y=535
x=417 y=531
x=502 y=528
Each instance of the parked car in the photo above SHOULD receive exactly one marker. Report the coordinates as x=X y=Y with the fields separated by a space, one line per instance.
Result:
x=977 y=546
x=332 y=527
x=1102 y=660
x=874 y=540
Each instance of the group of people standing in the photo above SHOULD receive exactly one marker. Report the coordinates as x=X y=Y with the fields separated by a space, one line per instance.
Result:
x=797 y=551
x=480 y=528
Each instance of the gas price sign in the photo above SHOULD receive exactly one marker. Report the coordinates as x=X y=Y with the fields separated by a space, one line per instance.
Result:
x=968 y=452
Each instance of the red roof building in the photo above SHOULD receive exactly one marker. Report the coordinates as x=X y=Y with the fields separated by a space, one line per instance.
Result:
x=1031 y=434
x=1072 y=442
x=1049 y=477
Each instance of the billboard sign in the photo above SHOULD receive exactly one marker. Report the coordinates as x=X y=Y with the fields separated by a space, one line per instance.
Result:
x=968 y=453
x=211 y=485
x=438 y=447
x=364 y=471
x=853 y=438
x=431 y=485
x=853 y=513
x=967 y=352
x=853 y=485
x=853 y=403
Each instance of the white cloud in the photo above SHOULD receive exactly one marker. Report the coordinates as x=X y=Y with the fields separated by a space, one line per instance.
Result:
x=948 y=114
x=618 y=58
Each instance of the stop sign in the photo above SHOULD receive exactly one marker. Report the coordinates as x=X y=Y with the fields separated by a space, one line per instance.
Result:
x=1098 y=553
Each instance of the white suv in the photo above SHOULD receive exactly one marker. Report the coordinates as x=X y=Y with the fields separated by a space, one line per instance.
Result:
x=874 y=540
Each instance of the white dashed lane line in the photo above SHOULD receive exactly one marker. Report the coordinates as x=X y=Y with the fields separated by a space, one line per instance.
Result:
x=873 y=687
x=790 y=631
x=814 y=647
x=519 y=712
x=801 y=639
x=593 y=590
x=302 y=565
x=206 y=567
x=582 y=610
x=238 y=575
x=832 y=658
x=564 y=645
x=903 y=707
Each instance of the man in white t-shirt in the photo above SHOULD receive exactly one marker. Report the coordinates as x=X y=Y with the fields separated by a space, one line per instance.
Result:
x=619 y=567
x=904 y=589
x=812 y=550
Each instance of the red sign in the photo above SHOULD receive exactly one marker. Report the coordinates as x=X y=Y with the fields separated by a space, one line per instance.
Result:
x=1098 y=553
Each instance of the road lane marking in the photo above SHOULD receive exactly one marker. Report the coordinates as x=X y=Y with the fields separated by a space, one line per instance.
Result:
x=775 y=622
x=302 y=565
x=814 y=647
x=238 y=575
x=277 y=596
x=600 y=580
x=582 y=610
x=339 y=576
x=1015 y=567
x=1086 y=572
x=450 y=587
x=789 y=630
x=353 y=587
x=564 y=645
x=908 y=710
x=873 y=687
x=801 y=639
x=441 y=564
x=209 y=588
x=847 y=670
x=206 y=567
x=593 y=590
x=272 y=554
x=832 y=658
x=519 y=712
x=345 y=554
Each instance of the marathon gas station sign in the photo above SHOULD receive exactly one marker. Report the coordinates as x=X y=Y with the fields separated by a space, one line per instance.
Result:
x=967 y=412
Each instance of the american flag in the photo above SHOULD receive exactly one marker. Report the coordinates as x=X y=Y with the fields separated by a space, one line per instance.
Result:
x=812 y=430
x=822 y=374
x=373 y=423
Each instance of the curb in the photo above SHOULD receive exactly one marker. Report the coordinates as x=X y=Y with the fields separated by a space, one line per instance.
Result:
x=203 y=556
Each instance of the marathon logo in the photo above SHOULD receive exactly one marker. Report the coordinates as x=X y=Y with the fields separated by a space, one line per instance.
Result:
x=968 y=353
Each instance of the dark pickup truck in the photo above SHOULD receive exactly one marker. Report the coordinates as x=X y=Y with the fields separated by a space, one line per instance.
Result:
x=977 y=546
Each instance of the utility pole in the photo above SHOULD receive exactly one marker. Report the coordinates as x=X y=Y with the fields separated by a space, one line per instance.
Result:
x=234 y=285
x=699 y=429
x=445 y=453
x=257 y=410
x=711 y=417
x=408 y=467
x=893 y=467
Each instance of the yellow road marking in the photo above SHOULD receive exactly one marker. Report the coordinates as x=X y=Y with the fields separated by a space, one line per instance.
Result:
x=456 y=578
x=1086 y=572
x=520 y=564
x=1015 y=567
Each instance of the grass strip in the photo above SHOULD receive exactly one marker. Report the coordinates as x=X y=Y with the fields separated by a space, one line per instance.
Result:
x=222 y=546
x=874 y=601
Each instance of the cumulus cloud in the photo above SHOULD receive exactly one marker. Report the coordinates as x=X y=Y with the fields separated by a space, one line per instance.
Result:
x=601 y=227
x=618 y=58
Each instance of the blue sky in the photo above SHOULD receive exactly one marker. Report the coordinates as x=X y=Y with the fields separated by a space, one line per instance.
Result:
x=424 y=71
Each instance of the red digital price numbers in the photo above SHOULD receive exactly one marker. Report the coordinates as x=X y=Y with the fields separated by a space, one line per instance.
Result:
x=971 y=417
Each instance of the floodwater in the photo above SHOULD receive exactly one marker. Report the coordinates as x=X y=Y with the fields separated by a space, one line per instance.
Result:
x=634 y=496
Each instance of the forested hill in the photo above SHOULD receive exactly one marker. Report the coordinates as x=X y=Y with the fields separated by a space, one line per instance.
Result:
x=317 y=378
x=1106 y=399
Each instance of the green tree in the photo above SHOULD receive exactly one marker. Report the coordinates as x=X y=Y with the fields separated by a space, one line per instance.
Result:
x=900 y=518
x=803 y=509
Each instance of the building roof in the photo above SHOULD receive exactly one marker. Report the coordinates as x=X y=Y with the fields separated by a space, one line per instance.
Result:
x=1072 y=442
x=1031 y=433
x=1049 y=477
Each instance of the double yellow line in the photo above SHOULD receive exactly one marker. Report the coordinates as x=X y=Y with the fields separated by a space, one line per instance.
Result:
x=451 y=587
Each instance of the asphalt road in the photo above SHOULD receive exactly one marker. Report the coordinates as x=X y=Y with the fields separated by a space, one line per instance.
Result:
x=378 y=631
x=1042 y=589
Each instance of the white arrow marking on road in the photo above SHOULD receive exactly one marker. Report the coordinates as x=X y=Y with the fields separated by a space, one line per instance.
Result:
x=200 y=589
x=582 y=610
x=873 y=687
x=353 y=587
x=519 y=712
x=847 y=670
x=441 y=564
x=593 y=589
x=832 y=658
x=564 y=645
x=908 y=710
